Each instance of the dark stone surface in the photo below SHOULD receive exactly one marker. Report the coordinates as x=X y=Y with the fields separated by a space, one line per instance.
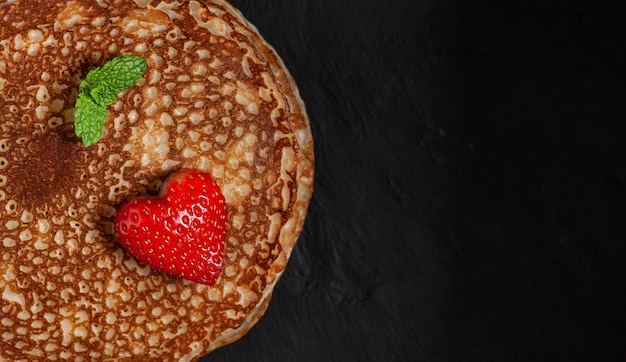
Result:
x=470 y=192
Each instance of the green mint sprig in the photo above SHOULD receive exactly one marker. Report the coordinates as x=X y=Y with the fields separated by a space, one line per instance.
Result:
x=99 y=90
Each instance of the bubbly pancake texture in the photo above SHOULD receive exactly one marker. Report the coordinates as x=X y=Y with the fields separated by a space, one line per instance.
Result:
x=215 y=97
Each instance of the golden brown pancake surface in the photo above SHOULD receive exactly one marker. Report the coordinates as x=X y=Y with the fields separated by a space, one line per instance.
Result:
x=215 y=97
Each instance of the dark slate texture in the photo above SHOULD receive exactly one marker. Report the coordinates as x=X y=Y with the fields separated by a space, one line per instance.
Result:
x=470 y=192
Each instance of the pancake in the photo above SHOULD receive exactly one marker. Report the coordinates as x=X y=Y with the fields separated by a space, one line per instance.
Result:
x=215 y=97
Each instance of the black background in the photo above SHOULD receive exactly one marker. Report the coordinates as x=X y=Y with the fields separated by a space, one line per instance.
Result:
x=470 y=192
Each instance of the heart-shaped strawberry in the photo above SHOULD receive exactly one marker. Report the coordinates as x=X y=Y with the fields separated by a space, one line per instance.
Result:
x=181 y=231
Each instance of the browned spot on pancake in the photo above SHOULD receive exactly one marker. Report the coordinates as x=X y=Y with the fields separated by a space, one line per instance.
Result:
x=42 y=168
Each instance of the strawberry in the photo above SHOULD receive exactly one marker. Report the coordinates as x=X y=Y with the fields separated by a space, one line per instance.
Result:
x=181 y=231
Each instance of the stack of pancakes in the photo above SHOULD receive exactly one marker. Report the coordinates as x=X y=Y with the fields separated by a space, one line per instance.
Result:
x=214 y=97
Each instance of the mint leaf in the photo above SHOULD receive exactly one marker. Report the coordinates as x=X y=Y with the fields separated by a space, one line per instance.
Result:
x=119 y=73
x=99 y=90
x=102 y=95
x=89 y=119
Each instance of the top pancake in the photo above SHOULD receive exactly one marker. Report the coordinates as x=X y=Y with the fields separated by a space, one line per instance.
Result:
x=215 y=97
